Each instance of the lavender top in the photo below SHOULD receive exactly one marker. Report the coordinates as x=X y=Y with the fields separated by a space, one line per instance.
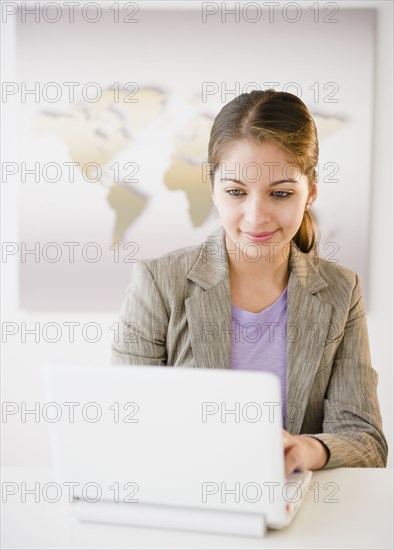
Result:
x=258 y=341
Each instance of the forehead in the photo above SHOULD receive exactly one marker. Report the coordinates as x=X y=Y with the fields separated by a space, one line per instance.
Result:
x=248 y=151
x=247 y=158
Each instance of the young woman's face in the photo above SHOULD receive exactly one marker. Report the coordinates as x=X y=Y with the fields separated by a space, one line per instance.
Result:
x=269 y=197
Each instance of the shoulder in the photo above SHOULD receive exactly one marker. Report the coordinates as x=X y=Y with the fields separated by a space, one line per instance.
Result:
x=333 y=272
x=331 y=281
x=343 y=285
x=163 y=280
x=176 y=263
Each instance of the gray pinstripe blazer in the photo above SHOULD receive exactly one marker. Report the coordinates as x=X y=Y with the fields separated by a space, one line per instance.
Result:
x=178 y=312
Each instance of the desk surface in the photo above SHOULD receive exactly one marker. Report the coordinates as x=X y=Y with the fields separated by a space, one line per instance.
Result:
x=344 y=508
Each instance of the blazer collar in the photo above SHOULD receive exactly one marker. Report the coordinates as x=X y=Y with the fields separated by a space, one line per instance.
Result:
x=212 y=265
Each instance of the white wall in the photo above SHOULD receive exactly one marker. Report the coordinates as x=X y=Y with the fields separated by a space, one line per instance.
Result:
x=27 y=443
x=380 y=317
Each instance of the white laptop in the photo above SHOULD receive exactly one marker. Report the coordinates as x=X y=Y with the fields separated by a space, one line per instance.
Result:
x=178 y=448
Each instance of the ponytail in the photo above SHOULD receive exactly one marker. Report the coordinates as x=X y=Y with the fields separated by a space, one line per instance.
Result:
x=305 y=238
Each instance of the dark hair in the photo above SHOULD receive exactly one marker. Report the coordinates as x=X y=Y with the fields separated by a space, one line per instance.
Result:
x=270 y=116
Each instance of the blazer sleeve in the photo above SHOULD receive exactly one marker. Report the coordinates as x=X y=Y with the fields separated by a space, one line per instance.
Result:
x=352 y=424
x=142 y=331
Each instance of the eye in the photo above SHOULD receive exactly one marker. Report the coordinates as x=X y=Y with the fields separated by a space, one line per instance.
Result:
x=235 y=192
x=283 y=194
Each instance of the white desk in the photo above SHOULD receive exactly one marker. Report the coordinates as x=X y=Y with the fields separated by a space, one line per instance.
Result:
x=362 y=518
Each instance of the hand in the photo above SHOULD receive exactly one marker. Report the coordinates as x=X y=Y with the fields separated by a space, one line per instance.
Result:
x=303 y=453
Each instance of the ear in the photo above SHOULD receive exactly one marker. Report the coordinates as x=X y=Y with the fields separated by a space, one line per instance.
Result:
x=313 y=193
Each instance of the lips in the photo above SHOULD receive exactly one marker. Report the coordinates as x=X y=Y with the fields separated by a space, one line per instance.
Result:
x=266 y=234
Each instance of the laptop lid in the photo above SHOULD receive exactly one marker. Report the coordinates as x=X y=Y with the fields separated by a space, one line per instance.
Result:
x=207 y=439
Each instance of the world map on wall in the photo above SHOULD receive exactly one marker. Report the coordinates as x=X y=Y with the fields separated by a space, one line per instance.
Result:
x=95 y=133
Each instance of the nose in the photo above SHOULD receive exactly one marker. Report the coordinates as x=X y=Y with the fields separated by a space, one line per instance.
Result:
x=257 y=213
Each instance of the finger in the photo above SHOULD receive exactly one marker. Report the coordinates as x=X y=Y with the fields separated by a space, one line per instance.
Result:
x=291 y=461
x=287 y=440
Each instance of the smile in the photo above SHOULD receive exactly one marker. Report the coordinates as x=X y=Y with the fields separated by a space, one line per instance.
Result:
x=260 y=237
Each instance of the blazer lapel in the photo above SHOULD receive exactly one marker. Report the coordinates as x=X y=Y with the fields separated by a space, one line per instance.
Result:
x=308 y=323
x=209 y=318
x=209 y=312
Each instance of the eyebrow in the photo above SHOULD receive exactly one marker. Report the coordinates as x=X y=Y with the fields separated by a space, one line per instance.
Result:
x=289 y=180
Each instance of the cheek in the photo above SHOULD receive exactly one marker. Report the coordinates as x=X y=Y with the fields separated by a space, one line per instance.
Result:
x=290 y=214
x=227 y=209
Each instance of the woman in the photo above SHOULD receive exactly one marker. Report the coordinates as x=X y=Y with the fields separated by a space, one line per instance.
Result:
x=252 y=296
